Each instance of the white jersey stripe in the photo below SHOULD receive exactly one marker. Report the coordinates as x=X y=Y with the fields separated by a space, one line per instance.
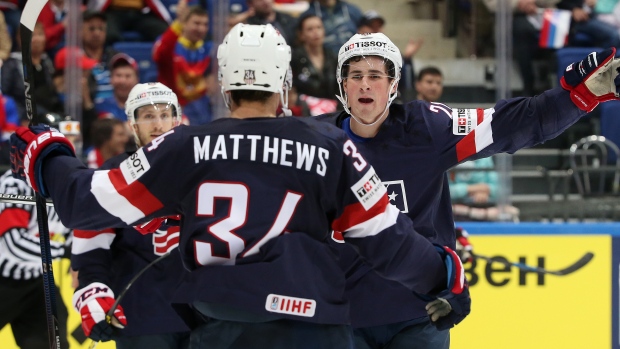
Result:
x=374 y=225
x=82 y=245
x=484 y=134
x=116 y=204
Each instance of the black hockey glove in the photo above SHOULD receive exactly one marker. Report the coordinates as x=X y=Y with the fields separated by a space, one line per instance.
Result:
x=593 y=79
x=453 y=304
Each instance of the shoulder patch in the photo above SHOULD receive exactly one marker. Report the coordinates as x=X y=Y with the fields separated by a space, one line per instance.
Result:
x=369 y=189
x=465 y=120
x=134 y=166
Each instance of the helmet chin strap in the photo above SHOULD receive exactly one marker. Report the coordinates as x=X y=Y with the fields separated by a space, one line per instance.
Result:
x=391 y=97
x=284 y=100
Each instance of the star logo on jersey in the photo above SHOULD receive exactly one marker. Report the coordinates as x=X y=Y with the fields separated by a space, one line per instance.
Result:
x=396 y=194
x=249 y=77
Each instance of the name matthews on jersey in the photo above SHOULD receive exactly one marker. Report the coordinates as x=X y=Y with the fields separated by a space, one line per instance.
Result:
x=278 y=151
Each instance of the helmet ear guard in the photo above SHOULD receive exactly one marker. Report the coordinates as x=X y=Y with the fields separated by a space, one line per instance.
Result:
x=364 y=45
x=254 y=57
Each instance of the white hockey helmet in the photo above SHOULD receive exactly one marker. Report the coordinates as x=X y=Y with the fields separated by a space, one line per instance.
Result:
x=253 y=57
x=364 y=45
x=372 y=44
x=148 y=94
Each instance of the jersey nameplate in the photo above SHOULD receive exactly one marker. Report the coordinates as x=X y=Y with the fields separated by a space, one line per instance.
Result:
x=290 y=305
x=135 y=166
x=369 y=190
x=464 y=121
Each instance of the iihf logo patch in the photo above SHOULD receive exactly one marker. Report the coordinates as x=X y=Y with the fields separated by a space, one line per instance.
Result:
x=250 y=77
x=397 y=195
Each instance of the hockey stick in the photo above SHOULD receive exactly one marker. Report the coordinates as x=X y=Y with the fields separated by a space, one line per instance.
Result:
x=109 y=317
x=585 y=259
x=27 y=22
x=22 y=199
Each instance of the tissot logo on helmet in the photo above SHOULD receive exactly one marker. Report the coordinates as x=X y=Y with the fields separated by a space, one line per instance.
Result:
x=379 y=44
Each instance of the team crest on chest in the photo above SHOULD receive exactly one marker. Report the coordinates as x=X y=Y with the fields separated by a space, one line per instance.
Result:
x=249 y=77
x=397 y=195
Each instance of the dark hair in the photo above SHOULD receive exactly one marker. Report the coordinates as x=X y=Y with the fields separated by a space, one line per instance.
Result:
x=390 y=68
x=196 y=10
x=300 y=25
x=101 y=130
x=249 y=95
x=429 y=71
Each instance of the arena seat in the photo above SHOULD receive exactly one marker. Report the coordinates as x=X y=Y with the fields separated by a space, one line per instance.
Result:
x=142 y=52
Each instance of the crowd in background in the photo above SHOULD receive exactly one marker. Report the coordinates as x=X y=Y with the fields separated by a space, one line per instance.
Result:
x=182 y=50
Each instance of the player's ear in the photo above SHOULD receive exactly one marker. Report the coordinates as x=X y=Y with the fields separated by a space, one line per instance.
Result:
x=394 y=88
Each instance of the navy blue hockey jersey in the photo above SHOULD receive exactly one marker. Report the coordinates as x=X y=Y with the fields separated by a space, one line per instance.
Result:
x=114 y=256
x=415 y=146
x=259 y=198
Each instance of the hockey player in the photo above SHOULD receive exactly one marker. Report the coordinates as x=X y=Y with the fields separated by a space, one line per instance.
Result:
x=21 y=280
x=259 y=196
x=413 y=145
x=110 y=258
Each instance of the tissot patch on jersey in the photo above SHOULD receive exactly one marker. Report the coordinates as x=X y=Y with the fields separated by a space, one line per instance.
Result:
x=464 y=121
x=134 y=166
x=397 y=195
x=290 y=305
x=368 y=190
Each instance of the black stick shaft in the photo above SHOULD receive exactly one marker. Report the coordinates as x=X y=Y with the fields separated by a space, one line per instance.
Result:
x=27 y=22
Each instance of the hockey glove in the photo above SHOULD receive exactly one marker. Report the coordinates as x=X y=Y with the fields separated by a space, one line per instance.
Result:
x=464 y=248
x=456 y=294
x=93 y=302
x=593 y=80
x=154 y=224
x=30 y=146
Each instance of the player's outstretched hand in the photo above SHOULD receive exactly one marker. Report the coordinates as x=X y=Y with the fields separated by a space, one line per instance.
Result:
x=463 y=247
x=456 y=294
x=30 y=146
x=93 y=302
x=593 y=79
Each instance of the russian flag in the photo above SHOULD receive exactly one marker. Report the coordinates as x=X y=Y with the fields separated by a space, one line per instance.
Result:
x=555 y=26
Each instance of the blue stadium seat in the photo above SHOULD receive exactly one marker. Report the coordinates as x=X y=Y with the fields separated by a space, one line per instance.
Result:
x=610 y=120
x=132 y=36
x=142 y=52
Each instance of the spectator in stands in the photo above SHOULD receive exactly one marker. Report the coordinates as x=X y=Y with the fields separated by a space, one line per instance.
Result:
x=94 y=40
x=149 y=18
x=9 y=118
x=608 y=11
x=5 y=40
x=601 y=34
x=123 y=77
x=54 y=19
x=53 y=99
x=183 y=57
x=313 y=66
x=373 y=22
x=429 y=85
x=109 y=138
x=264 y=13
x=12 y=14
x=12 y=72
x=526 y=35
x=473 y=193
x=340 y=20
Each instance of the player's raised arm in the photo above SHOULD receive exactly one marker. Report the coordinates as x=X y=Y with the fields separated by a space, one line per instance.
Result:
x=516 y=123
